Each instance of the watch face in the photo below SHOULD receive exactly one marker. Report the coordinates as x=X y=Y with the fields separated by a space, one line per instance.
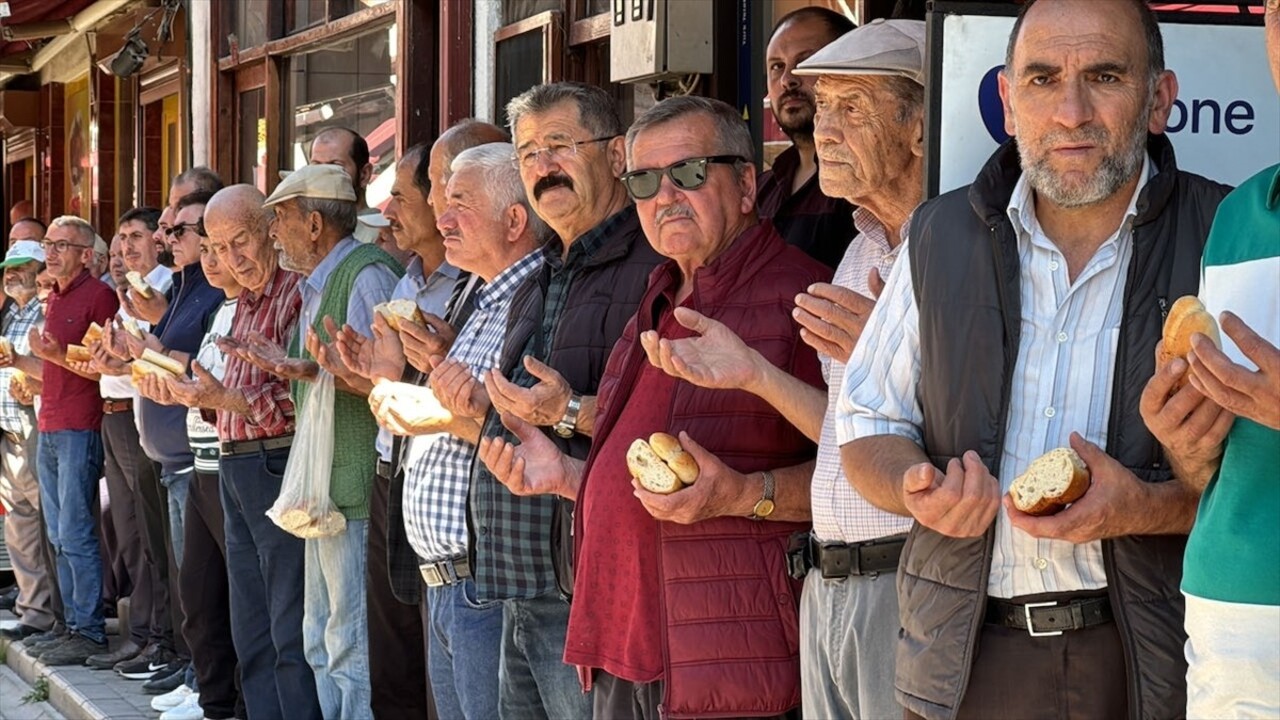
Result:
x=764 y=508
x=563 y=431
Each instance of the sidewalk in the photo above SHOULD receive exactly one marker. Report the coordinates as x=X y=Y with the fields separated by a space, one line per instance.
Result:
x=75 y=693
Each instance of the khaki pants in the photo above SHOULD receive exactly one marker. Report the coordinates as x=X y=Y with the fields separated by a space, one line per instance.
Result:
x=24 y=531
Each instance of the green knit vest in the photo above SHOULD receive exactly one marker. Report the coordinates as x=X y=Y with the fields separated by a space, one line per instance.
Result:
x=354 y=429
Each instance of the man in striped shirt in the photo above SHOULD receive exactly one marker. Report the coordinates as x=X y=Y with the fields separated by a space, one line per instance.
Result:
x=255 y=422
x=489 y=230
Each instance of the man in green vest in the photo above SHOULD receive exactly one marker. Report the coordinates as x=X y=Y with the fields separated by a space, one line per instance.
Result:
x=315 y=214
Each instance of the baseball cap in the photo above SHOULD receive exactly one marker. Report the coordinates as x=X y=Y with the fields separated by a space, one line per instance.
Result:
x=881 y=47
x=319 y=182
x=23 y=251
x=373 y=219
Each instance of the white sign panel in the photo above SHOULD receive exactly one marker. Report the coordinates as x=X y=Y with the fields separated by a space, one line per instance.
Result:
x=1225 y=124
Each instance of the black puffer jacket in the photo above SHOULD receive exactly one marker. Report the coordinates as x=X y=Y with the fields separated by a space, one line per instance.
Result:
x=965 y=271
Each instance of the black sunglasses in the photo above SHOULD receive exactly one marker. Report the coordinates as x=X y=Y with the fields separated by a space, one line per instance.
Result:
x=181 y=228
x=688 y=174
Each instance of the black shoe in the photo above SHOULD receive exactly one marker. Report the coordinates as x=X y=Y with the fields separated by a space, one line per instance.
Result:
x=166 y=680
x=123 y=654
x=8 y=601
x=145 y=666
x=72 y=651
x=20 y=632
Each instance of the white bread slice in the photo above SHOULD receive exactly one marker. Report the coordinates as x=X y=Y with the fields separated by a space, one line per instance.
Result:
x=139 y=283
x=668 y=448
x=397 y=312
x=1051 y=482
x=650 y=470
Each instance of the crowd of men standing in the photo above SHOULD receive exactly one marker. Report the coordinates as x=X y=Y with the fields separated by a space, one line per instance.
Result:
x=858 y=376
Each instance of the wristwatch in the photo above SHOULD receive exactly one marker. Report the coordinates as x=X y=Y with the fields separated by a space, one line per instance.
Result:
x=568 y=424
x=764 y=506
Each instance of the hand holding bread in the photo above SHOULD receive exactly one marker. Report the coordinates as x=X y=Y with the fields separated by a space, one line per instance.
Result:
x=661 y=464
x=1051 y=483
x=1186 y=317
x=399 y=312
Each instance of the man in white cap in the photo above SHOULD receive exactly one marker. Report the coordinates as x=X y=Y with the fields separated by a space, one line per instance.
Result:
x=315 y=214
x=869 y=133
x=24 y=533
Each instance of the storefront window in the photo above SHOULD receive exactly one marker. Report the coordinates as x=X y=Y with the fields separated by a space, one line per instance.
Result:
x=303 y=14
x=248 y=22
x=253 y=139
x=516 y=10
x=351 y=85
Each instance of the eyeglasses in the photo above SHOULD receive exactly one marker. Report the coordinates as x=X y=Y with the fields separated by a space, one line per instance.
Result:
x=60 y=245
x=556 y=150
x=180 y=229
x=688 y=174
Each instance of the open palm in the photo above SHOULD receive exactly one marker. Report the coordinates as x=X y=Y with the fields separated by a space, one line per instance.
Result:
x=714 y=358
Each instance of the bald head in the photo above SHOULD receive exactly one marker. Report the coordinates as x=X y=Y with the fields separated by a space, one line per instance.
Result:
x=238 y=225
x=464 y=135
x=21 y=209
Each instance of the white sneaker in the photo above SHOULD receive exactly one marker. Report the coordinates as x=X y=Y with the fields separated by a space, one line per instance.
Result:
x=171 y=699
x=188 y=710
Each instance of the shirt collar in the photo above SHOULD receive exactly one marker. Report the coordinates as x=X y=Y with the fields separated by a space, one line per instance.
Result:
x=1022 y=206
x=871 y=229
x=320 y=275
x=158 y=275
x=508 y=280
x=79 y=280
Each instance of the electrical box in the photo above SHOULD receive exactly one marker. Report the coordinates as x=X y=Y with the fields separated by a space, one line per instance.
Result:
x=654 y=39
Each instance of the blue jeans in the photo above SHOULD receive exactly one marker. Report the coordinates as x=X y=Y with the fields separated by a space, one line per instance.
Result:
x=70 y=465
x=265 y=573
x=335 y=627
x=178 y=486
x=464 y=642
x=535 y=682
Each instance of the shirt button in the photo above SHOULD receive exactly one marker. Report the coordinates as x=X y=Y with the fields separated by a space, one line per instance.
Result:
x=484 y=530
x=1053 y=264
x=1041 y=563
x=1050 y=412
x=1062 y=337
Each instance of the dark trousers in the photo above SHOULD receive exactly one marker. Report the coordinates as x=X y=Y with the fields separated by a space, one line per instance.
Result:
x=204 y=590
x=1078 y=674
x=397 y=659
x=115 y=576
x=265 y=570
x=133 y=484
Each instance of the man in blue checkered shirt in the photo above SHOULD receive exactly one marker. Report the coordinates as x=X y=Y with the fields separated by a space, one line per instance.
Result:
x=488 y=230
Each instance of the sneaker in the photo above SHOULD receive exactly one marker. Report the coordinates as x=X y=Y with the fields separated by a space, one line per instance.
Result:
x=123 y=654
x=39 y=650
x=171 y=700
x=72 y=651
x=46 y=637
x=189 y=709
x=166 y=680
x=150 y=661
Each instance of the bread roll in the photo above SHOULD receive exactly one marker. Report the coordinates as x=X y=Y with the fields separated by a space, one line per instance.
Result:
x=396 y=312
x=93 y=335
x=173 y=367
x=139 y=369
x=78 y=353
x=1186 y=318
x=650 y=470
x=673 y=454
x=139 y=283
x=1053 y=481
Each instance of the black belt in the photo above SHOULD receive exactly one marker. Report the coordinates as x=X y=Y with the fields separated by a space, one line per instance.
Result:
x=247 y=447
x=384 y=469
x=840 y=560
x=445 y=572
x=1052 y=617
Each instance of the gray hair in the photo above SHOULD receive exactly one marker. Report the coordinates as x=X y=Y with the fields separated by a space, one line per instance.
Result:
x=730 y=130
x=597 y=111
x=87 y=234
x=204 y=179
x=501 y=180
x=340 y=214
x=908 y=93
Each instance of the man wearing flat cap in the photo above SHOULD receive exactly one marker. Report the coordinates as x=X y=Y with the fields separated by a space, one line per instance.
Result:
x=315 y=215
x=869 y=133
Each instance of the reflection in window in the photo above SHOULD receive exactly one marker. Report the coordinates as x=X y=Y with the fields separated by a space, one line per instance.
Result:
x=248 y=22
x=518 y=65
x=303 y=14
x=350 y=84
x=252 y=167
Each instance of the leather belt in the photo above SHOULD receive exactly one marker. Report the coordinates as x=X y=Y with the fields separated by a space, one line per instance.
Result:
x=231 y=448
x=445 y=572
x=1052 y=617
x=840 y=560
x=111 y=407
x=384 y=469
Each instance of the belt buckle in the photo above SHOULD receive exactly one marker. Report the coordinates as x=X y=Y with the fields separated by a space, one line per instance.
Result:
x=1031 y=630
x=431 y=575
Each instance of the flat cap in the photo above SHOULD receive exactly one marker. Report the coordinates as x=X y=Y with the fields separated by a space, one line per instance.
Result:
x=881 y=47
x=318 y=181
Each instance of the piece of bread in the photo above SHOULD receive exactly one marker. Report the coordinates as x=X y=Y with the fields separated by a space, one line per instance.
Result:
x=78 y=353
x=673 y=454
x=396 y=312
x=6 y=346
x=139 y=284
x=93 y=335
x=131 y=326
x=139 y=369
x=650 y=470
x=1186 y=318
x=173 y=367
x=1052 y=481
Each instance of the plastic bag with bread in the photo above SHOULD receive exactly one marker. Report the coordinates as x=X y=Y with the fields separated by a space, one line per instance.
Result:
x=1186 y=318
x=1051 y=483
x=661 y=464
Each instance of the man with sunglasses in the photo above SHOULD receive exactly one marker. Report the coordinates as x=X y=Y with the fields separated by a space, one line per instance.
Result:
x=70 y=449
x=664 y=582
